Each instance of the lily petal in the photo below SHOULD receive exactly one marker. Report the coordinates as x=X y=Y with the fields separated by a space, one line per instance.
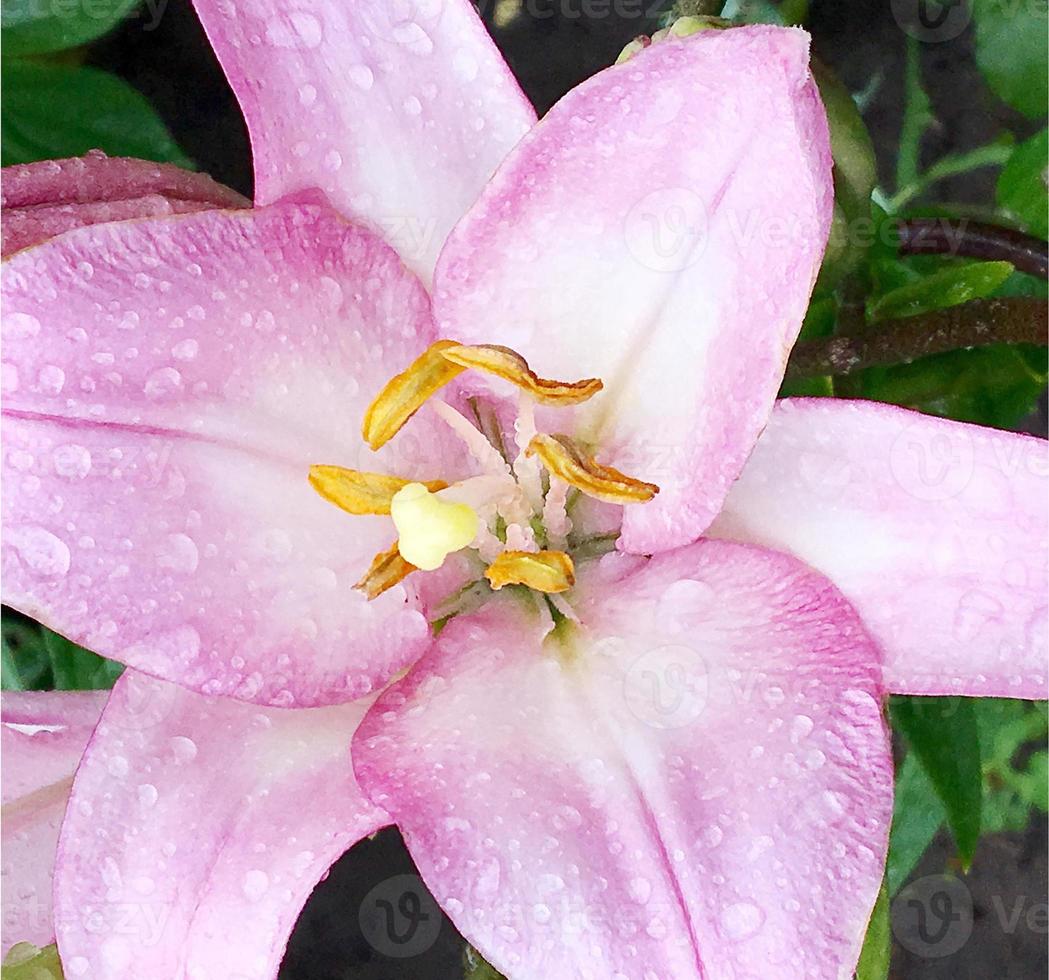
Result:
x=399 y=110
x=661 y=229
x=169 y=385
x=41 y=200
x=935 y=530
x=695 y=784
x=197 y=829
x=43 y=735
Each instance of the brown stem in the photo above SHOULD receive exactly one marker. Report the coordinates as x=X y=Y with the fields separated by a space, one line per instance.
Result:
x=974 y=240
x=979 y=322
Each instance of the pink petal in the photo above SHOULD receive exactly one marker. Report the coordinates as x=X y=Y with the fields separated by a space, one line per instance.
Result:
x=696 y=784
x=935 y=530
x=197 y=830
x=398 y=109
x=41 y=200
x=661 y=229
x=43 y=736
x=169 y=384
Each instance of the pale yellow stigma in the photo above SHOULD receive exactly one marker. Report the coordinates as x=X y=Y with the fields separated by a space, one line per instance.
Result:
x=429 y=528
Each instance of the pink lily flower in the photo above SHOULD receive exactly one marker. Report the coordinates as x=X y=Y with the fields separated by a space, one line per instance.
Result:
x=670 y=762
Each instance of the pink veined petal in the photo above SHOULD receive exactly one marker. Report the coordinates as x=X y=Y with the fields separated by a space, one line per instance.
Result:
x=660 y=228
x=41 y=200
x=202 y=825
x=398 y=109
x=168 y=385
x=935 y=530
x=43 y=737
x=697 y=785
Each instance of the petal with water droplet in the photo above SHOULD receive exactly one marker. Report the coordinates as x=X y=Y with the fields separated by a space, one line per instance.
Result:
x=683 y=292
x=43 y=735
x=366 y=101
x=220 y=844
x=935 y=530
x=167 y=519
x=683 y=857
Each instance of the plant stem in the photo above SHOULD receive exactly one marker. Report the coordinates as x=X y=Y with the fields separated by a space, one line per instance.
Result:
x=974 y=240
x=1010 y=320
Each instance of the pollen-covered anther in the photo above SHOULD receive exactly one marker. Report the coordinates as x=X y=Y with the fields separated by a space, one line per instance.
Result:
x=544 y=571
x=387 y=569
x=357 y=492
x=405 y=393
x=568 y=461
x=510 y=366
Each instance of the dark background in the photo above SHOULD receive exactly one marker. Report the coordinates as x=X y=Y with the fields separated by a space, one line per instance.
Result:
x=551 y=47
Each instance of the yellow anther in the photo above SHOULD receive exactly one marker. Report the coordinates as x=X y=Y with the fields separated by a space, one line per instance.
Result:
x=511 y=366
x=358 y=492
x=544 y=571
x=406 y=393
x=430 y=529
x=387 y=569
x=568 y=461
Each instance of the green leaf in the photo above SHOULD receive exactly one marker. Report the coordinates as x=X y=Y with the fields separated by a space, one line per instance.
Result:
x=997 y=385
x=917 y=116
x=77 y=669
x=942 y=733
x=34 y=27
x=1022 y=185
x=951 y=285
x=54 y=111
x=916 y=817
x=25 y=664
x=1011 y=41
x=877 y=945
x=25 y=961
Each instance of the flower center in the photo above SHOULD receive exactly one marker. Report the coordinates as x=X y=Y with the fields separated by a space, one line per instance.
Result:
x=514 y=512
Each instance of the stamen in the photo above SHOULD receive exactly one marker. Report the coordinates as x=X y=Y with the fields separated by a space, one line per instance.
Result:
x=555 y=514
x=511 y=366
x=544 y=571
x=564 y=459
x=386 y=570
x=527 y=470
x=430 y=529
x=405 y=393
x=361 y=493
x=488 y=457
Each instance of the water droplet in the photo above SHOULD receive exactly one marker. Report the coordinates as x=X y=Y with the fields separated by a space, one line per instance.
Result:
x=118 y=766
x=18 y=326
x=412 y=106
x=255 y=885
x=800 y=728
x=72 y=461
x=52 y=379
x=640 y=890
x=179 y=553
x=296 y=28
x=41 y=550
x=185 y=350
x=333 y=160
x=713 y=835
x=413 y=37
x=162 y=383
x=541 y=913
x=183 y=748
x=361 y=76
x=148 y=795
x=740 y=921
x=307 y=95
x=465 y=65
